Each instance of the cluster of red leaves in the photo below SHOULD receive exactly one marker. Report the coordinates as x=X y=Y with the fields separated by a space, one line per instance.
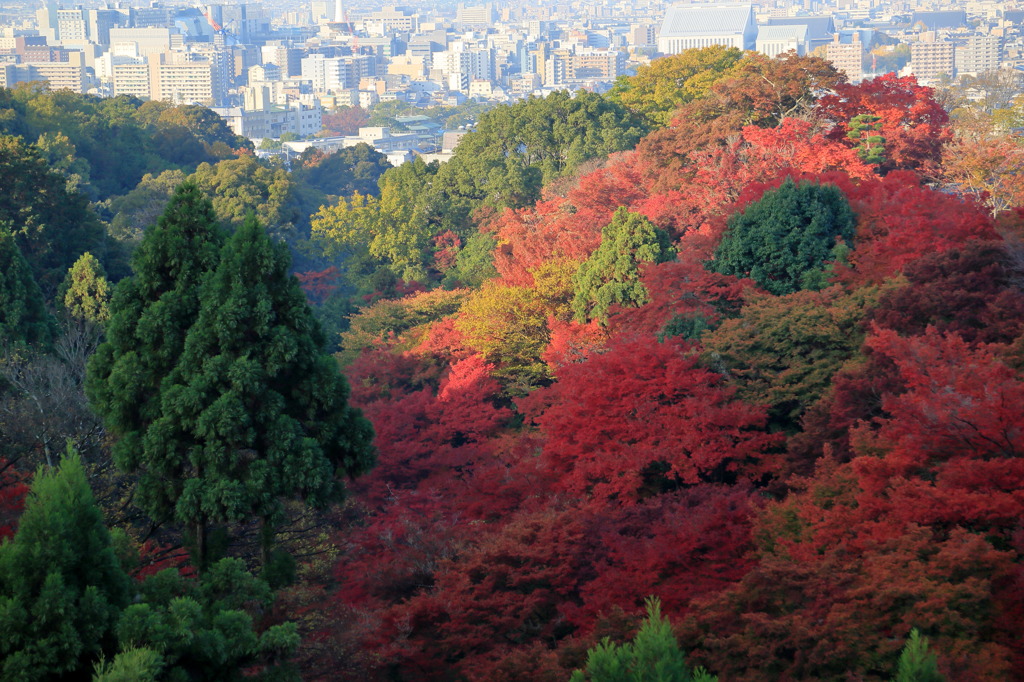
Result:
x=497 y=540
x=319 y=285
x=914 y=125
x=13 y=489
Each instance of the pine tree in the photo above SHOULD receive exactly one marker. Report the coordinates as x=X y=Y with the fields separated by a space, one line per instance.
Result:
x=612 y=274
x=917 y=663
x=653 y=656
x=85 y=293
x=61 y=586
x=151 y=313
x=23 y=316
x=255 y=412
x=784 y=240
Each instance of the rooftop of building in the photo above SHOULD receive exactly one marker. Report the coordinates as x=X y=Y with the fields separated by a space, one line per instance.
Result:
x=687 y=20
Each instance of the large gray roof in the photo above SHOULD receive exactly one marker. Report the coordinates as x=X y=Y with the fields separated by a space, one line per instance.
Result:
x=818 y=28
x=798 y=31
x=688 y=20
x=941 y=19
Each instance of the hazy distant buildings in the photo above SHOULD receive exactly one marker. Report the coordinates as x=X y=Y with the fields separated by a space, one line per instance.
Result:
x=476 y=15
x=690 y=26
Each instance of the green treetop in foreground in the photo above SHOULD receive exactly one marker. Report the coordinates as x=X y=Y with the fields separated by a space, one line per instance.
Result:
x=653 y=656
x=61 y=586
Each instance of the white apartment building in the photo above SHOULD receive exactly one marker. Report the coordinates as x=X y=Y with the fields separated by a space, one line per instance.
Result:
x=183 y=82
x=131 y=78
x=978 y=54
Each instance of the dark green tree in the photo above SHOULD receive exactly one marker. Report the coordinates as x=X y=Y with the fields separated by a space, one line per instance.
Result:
x=255 y=413
x=151 y=313
x=653 y=656
x=785 y=240
x=61 y=586
x=23 y=316
x=51 y=225
x=917 y=663
x=202 y=630
x=341 y=173
x=612 y=273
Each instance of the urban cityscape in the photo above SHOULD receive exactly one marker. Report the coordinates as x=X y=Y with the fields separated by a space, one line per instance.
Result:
x=273 y=69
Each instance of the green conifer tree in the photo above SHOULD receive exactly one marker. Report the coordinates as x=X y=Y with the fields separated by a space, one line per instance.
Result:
x=23 y=316
x=255 y=412
x=653 y=656
x=137 y=664
x=917 y=663
x=150 y=316
x=612 y=273
x=61 y=586
x=85 y=293
x=864 y=130
x=784 y=240
x=201 y=630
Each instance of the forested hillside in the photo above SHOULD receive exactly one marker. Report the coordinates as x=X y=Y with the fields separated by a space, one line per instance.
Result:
x=715 y=376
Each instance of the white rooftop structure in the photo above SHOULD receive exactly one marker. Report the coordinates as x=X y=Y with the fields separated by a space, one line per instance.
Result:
x=689 y=26
x=775 y=40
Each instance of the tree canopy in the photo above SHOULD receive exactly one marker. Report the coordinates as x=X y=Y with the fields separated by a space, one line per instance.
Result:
x=784 y=240
x=611 y=275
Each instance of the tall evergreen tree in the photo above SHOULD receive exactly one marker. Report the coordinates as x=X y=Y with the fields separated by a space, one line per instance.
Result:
x=255 y=412
x=23 y=316
x=917 y=663
x=151 y=314
x=85 y=293
x=653 y=656
x=61 y=586
x=612 y=274
x=784 y=240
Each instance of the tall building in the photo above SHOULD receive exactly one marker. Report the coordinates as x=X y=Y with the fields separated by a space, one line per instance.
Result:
x=132 y=79
x=72 y=26
x=476 y=15
x=288 y=58
x=69 y=75
x=690 y=26
x=978 y=54
x=148 y=42
x=390 y=20
x=931 y=59
x=820 y=30
x=180 y=81
x=847 y=57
